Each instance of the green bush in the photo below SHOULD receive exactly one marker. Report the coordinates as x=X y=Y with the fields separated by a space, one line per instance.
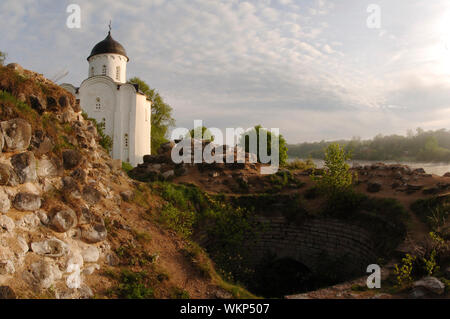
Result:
x=133 y=285
x=126 y=167
x=177 y=220
x=337 y=177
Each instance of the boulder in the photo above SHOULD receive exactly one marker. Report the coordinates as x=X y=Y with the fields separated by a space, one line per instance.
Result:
x=43 y=217
x=17 y=134
x=6 y=224
x=27 y=202
x=94 y=233
x=37 y=103
x=79 y=175
x=431 y=284
x=419 y=171
x=7 y=267
x=71 y=158
x=45 y=273
x=90 y=254
x=7 y=292
x=24 y=165
x=5 y=174
x=447 y=174
x=91 y=195
x=52 y=247
x=168 y=174
x=127 y=195
x=5 y=203
x=47 y=168
x=64 y=220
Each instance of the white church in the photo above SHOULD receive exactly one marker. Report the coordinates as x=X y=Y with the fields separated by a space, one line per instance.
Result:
x=108 y=98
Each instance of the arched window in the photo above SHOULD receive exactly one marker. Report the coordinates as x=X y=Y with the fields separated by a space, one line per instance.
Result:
x=104 y=70
x=98 y=105
x=92 y=71
x=118 y=73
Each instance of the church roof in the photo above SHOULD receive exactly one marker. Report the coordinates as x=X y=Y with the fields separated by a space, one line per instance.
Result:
x=108 y=45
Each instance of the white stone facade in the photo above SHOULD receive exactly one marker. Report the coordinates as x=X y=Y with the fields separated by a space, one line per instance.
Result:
x=125 y=112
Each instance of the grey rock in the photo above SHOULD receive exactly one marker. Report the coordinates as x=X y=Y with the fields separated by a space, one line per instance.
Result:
x=6 y=224
x=7 y=267
x=5 y=203
x=168 y=174
x=127 y=195
x=24 y=165
x=71 y=159
x=17 y=134
x=91 y=195
x=27 y=202
x=47 y=168
x=52 y=247
x=5 y=173
x=431 y=284
x=64 y=220
x=94 y=233
x=90 y=254
x=45 y=273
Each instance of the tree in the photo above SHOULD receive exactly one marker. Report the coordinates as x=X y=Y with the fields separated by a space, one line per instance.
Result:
x=282 y=148
x=2 y=57
x=161 y=118
x=337 y=176
x=205 y=133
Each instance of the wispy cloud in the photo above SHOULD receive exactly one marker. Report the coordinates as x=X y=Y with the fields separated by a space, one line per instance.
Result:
x=310 y=67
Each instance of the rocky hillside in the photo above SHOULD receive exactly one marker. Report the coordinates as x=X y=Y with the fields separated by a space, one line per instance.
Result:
x=72 y=223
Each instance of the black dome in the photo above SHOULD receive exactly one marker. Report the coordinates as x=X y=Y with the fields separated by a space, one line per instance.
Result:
x=109 y=45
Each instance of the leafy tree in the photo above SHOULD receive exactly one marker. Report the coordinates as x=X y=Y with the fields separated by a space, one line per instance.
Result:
x=161 y=118
x=282 y=148
x=2 y=57
x=337 y=176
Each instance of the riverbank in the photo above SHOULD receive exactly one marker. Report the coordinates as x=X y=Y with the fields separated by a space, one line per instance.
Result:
x=430 y=168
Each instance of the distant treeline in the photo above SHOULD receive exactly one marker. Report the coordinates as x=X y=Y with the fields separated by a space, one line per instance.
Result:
x=429 y=146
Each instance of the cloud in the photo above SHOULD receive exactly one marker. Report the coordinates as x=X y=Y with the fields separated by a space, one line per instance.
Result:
x=310 y=67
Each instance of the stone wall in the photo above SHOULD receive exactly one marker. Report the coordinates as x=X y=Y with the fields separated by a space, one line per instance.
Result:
x=309 y=241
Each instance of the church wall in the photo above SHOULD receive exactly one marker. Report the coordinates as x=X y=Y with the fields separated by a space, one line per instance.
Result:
x=127 y=99
x=111 y=61
x=142 y=128
x=98 y=100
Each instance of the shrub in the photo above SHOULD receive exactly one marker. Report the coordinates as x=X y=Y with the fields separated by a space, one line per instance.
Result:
x=177 y=220
x=132 y=285
x=404 y=271
x=126 y=167
x=337 y=176
x=298 y=164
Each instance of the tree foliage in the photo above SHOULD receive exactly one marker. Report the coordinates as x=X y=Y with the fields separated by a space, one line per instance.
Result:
x=161 y=118
x=282 y=147
x=337 y=177
x=204 y=133
x=2 y=57
x=419 y=146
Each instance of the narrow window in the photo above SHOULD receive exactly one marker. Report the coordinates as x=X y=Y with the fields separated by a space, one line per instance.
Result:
x=98 y=105
x=104 y=70
x=118 y=73
x=126 y=141
x=92 y=71
x=146 y=115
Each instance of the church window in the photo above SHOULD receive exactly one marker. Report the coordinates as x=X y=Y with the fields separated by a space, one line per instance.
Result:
x=92 y=71
x=117 y=73
x=146 y=115
x=98 y=104
x=104 y=70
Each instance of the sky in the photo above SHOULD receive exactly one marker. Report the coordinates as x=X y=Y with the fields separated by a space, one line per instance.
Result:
x=315 y=69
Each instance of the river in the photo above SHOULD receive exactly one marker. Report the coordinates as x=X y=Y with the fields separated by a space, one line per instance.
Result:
x=431 y=168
